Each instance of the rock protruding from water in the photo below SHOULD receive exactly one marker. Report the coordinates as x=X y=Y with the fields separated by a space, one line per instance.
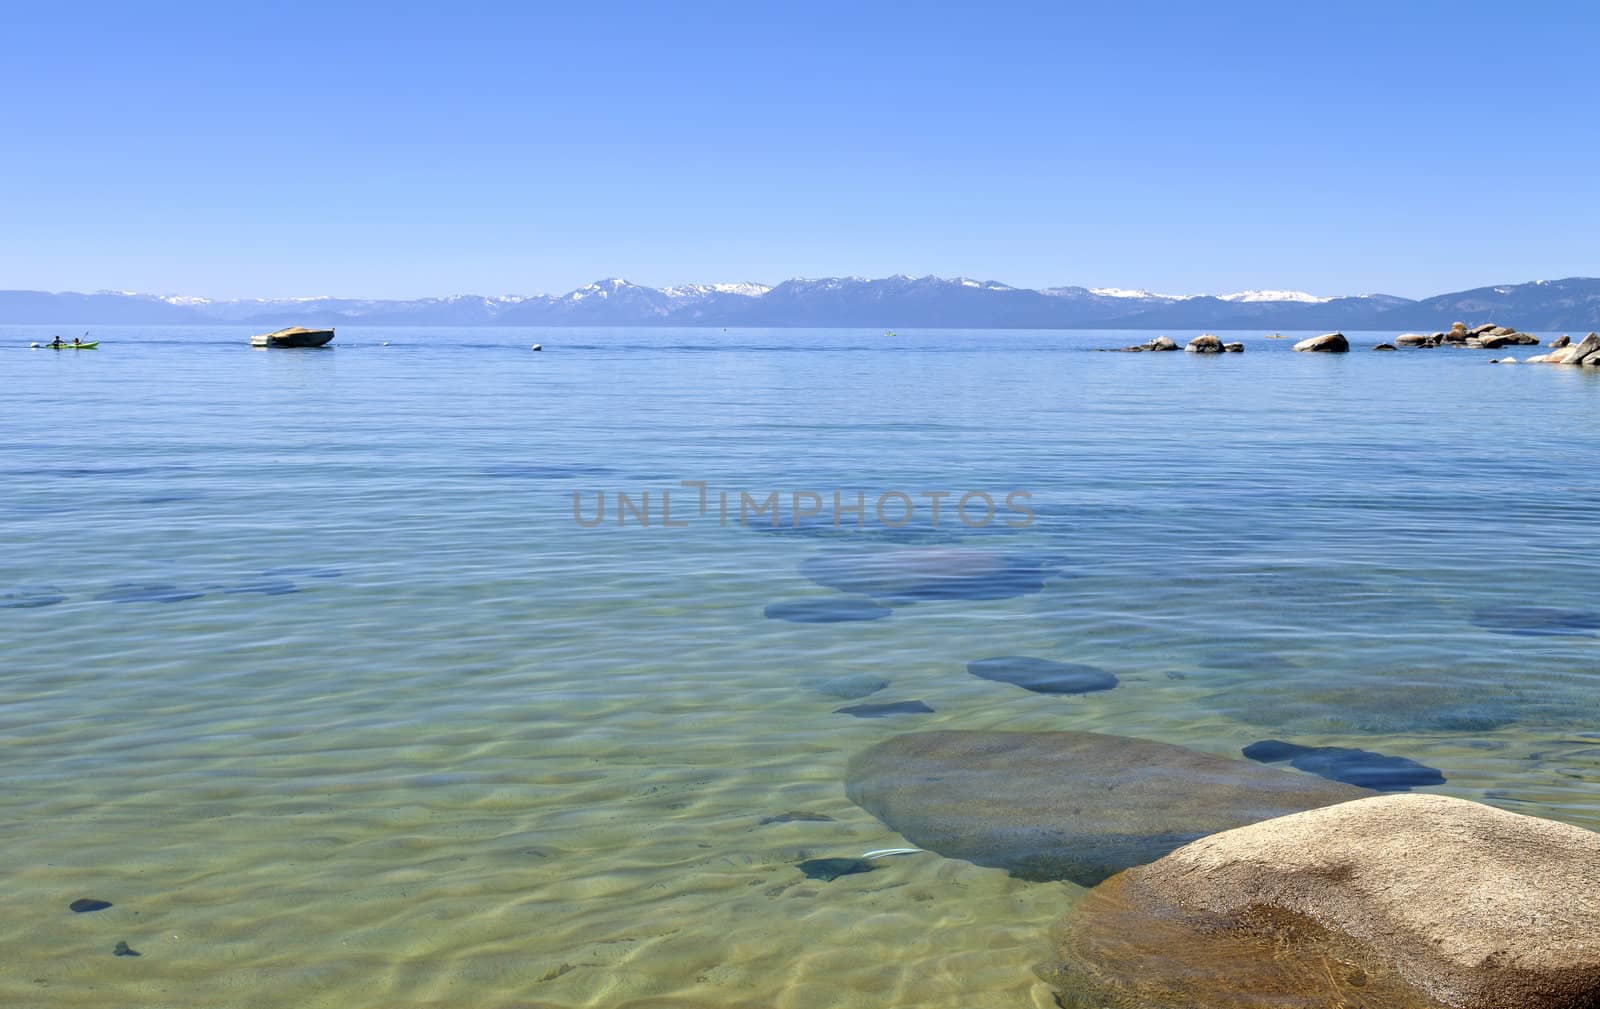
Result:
x=1403 y=900
x=1585 y=352
x=1329 y=343
x=1204 y=344
x=1077 y=806
x=1385 y=346
x=1233 y=348
x=1160 y=343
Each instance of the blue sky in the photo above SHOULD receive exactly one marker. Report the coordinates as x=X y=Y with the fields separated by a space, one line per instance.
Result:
x=401 y=150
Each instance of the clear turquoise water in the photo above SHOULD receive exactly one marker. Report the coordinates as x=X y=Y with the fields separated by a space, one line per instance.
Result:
x=441 y=746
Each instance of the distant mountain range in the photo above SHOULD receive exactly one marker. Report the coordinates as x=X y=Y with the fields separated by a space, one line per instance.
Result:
x=887 y=303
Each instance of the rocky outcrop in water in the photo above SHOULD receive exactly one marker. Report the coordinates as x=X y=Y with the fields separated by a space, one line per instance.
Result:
x=1206 y=343
x=1329 y=343
x=1398 y=901
x=1078 y=806
x=1160 y=343
x=1585 y=353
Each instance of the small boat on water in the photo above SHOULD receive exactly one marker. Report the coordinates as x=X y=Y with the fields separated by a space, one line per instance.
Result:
x=294 y=336
x=71 y=346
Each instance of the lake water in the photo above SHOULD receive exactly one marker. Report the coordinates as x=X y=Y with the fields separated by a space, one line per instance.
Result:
x=309 y=671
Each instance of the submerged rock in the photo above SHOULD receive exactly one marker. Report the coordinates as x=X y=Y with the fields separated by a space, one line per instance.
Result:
x=883 y=709
x=827 y=611
x=544 y=471
x=1330 y=343
x=851 y=686
x=1377 y=771
x=1067 y=805
x=1385 y=700
x=914 y=574
x=84 y=905
x=31 y=597
x=1536 y=621
x=123 y=949
x=1385 y=346
x=797 y=816
x=264 y=588
x=830 y=869
x=1042 y=676
x=144 y=592
x=1392 y=901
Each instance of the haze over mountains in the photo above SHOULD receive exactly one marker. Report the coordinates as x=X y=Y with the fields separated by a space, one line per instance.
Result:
x=890 y=302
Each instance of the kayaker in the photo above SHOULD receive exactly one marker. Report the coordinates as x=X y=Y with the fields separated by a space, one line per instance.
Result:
x=57 y=341
x=76 y=342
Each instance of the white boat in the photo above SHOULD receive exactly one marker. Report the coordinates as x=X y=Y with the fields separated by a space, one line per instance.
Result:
x=294 y=336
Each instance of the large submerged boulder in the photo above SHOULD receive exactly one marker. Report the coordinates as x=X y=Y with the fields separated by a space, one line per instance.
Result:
x=1405 y=900
x=1329 y=343
x=1077 y=806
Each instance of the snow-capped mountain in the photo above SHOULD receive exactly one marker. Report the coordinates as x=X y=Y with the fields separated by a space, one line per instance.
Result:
x=888 y=302
x=1280 y=296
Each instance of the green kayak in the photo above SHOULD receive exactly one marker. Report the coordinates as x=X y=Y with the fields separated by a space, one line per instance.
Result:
x=73 y=346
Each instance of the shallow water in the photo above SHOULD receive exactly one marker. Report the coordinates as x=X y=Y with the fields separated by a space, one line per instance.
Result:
x=309 y=670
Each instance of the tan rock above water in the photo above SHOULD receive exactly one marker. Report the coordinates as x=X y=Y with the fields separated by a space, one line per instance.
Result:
x=1205 y=344
x=1329 y=343
x=1400 y=900
x=1585 y=353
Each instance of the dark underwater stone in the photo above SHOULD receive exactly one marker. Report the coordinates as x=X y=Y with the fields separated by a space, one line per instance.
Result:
x=302 y=572
x=264 y=588
x=1385 y=701
x=915 y=574
x=1272 y=751
x=1078 y=806
x=1042 y=676
x=84 y=905
x=31 y=597
x=852 y=686
x=123 y=949
x=1363 y=768
x=827 y=611
x=830 y=869
x=143 y=592
x=797 y=816
x=884 y=709
x=1536 y=620
x=538 y=471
